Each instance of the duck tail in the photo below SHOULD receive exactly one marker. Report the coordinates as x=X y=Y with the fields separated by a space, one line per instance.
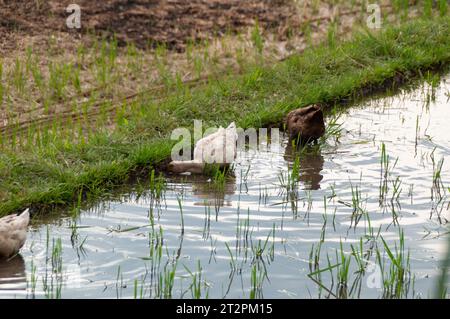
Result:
x=25 y=212
x=25 y=216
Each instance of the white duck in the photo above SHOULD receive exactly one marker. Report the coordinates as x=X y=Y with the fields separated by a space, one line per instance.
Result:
x=13 y=233
x=217 y=148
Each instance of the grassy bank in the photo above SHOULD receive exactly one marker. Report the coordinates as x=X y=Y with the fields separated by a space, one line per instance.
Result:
x=61 y=165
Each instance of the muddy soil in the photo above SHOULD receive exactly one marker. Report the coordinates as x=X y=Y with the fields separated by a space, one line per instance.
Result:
x=144 y=22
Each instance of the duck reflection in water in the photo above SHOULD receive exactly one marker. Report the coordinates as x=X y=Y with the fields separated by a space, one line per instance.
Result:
x=207 y=192
x=217 y=194
x=311 y=165
x=12 y=275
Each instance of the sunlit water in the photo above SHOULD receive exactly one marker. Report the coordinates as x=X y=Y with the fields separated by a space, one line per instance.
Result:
x=255 y=225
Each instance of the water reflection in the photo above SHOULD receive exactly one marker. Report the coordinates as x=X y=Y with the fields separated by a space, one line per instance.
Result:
x=210 y=194
x=207 y=192
x=311 y=165
x=12 y=275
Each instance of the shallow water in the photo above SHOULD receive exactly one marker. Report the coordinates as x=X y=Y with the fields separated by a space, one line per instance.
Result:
x=254 y=225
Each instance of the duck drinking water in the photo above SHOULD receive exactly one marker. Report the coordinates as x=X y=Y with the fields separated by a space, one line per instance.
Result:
x=218 y=148
x=305 y=124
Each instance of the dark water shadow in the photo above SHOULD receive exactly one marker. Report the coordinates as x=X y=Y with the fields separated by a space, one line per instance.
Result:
x=12 y=274
x=311 y=165
x=206 y=192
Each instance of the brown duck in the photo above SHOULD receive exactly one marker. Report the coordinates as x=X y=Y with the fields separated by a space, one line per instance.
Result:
x=305 y=124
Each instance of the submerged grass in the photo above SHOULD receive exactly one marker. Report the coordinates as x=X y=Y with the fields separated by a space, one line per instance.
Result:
x=46 y=167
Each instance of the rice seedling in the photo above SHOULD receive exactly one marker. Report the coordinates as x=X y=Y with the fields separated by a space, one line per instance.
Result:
x=362 y=257
x=428 y=8
x=357 y=209
x=443 y=7
x=258 y=274
x=395 y=201
x=257 y=39
x=333 y=128
x=207 y=222
x=166 y=281
x=52 y=281
x=332 y=34
x=260 y=250
x=325 y=219
x=19 y=77
x=386 y=168
x=314 y=257
x=342 y=273
x=316 y=276
x=219 y=180
x=119 y=283
x=181 y=214
x=196 y=285
x=288 y=183
x=438 y=194
x=232 y=258
x=33 y=278
x=396 y=276
x=157 y=189
x=138 y=292
x=2 y=86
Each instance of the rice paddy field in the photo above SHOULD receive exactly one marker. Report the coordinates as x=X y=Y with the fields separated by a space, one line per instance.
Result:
x=85 y=123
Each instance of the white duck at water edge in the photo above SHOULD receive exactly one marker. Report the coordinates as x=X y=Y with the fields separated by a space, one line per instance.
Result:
x=13 y=233
x=217 y=148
